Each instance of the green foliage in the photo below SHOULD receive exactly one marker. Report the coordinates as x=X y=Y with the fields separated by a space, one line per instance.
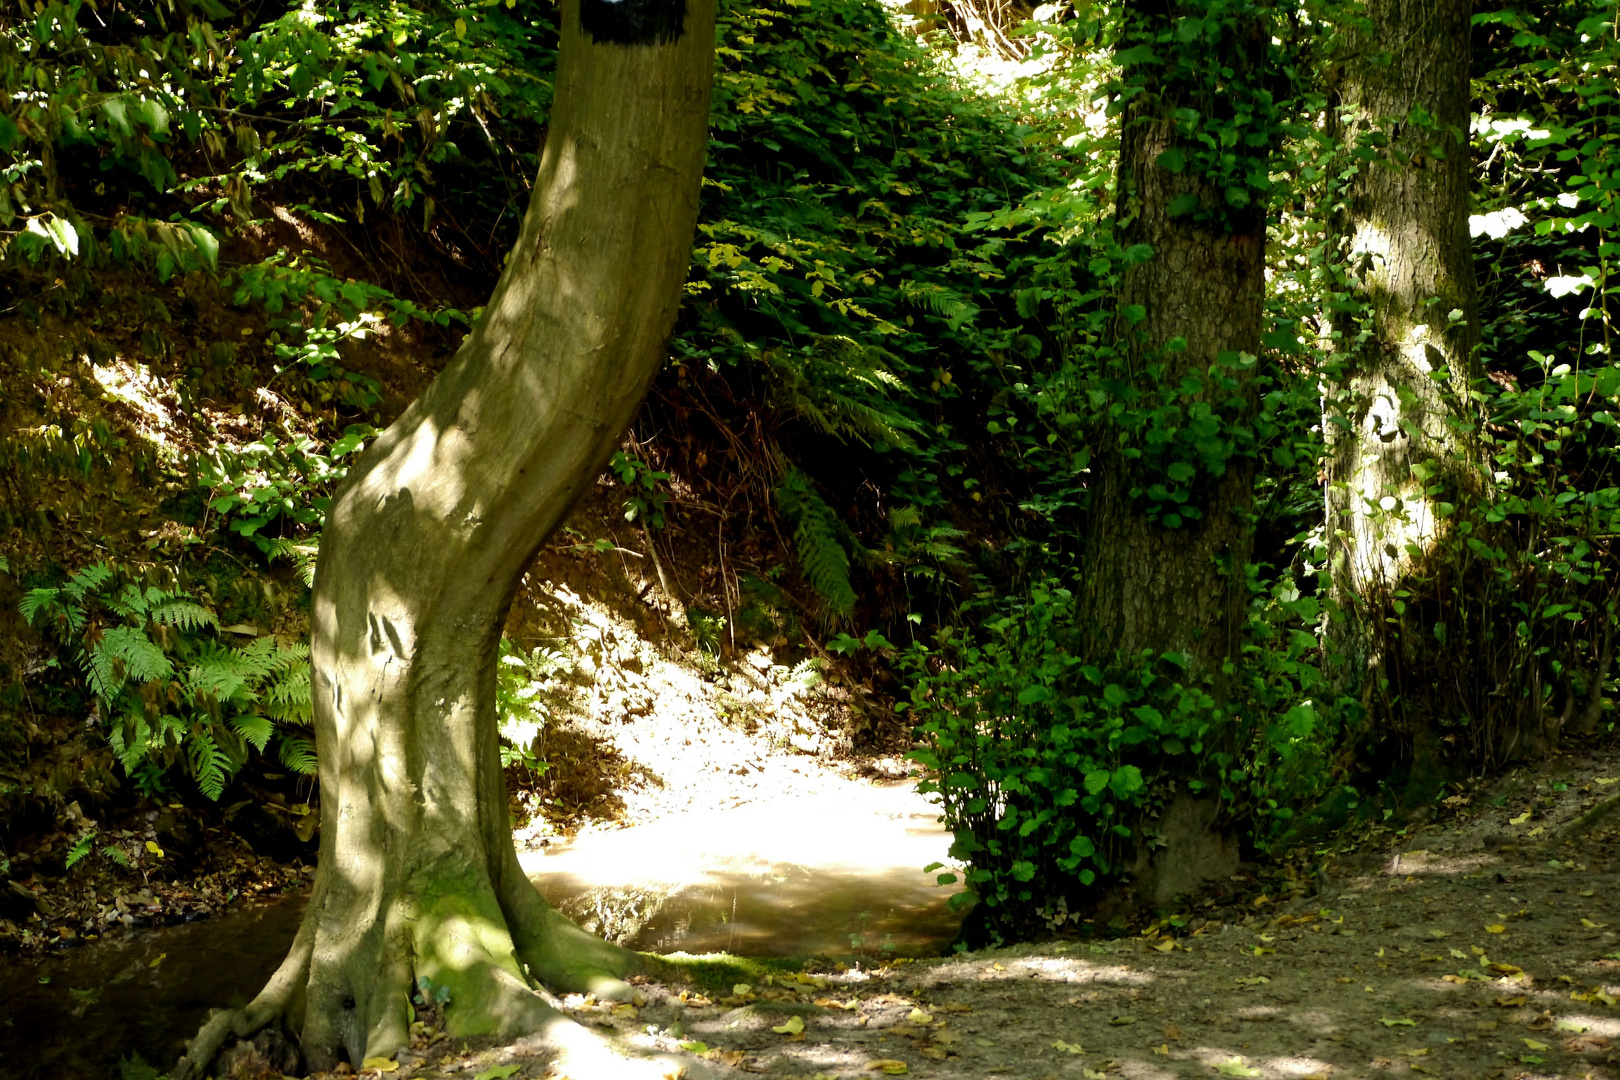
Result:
x=647 y=500
x=521 y=679
x=271 y=481
x=1049 y=769
x=168 y=692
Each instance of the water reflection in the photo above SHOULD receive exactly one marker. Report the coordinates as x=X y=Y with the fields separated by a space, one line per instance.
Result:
x=790 y=878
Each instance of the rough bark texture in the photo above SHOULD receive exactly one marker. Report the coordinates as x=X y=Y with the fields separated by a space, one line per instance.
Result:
x=1396 y=412
x=1150 y=587
x=424 y=548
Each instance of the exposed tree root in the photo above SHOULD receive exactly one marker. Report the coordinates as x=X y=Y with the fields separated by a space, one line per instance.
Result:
x=494 y=964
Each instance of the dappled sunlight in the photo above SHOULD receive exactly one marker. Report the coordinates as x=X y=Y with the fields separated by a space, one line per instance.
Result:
x=777 y=877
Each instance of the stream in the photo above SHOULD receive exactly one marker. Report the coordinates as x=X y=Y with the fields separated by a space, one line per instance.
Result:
x=791 y=877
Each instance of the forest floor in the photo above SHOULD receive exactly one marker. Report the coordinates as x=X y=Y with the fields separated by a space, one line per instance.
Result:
x=1482 y=945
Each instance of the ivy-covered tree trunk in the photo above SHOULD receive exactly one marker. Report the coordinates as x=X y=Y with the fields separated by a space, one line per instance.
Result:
x=1170 y=529
x=425 y=546
x=1397 y=418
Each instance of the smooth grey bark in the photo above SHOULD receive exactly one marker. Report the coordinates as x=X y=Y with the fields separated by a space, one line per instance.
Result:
x=1397 y=417
x=1149 y=587
x=423 y=550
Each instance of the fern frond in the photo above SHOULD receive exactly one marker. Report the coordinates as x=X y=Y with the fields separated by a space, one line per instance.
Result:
x=843 y=388
x=217 y=673
x=117 y=855
x=287 y=699
x=36 y=600
x=255 y=729
x=302 y=556
x=79 y=850
x=209 y=764
x=298 y=754
x=184 y=614
x=905 y=517
x=88 y=580
x=816 y=530
x=139 y=657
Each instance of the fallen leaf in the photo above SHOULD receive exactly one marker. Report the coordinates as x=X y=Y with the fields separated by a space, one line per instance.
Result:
x=1590 y=925
x=382 y=1064
x=625 y=1012
x=887 y=1065
x=154 y=849
x=933 y=1053
x=693 y=1046
x=1571 y=1025
x=1172 y=1032
x=741 y=989
x=1604 y=780
x=1255 y=980
x=1163 y=1049
x=1387 y=1022
x=1496 y=928
x=1535 y=1044
x=1068 y=1048
x=983 y=1042
x=917 y=1016
x=794 y=1026
x=1121 y=1021
x=1459 y=954
x=497 y=1072
x=1521 y=819
x=1164 y=946
x=1235 y=1067
x=1415 y=1053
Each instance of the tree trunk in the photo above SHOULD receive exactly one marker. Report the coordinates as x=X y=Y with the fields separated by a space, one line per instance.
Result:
x=425 y=546
x=1180 y=588
x=1396 y=410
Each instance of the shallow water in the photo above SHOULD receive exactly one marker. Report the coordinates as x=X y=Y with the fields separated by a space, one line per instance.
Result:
x=795 y=877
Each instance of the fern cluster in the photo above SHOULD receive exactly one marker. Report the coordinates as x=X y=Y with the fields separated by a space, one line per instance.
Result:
x=168 y=691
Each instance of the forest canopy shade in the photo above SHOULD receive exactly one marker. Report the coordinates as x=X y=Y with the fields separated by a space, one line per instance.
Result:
x=424 y=548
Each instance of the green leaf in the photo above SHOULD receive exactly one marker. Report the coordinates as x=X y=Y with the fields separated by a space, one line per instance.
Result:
x=1172 y=160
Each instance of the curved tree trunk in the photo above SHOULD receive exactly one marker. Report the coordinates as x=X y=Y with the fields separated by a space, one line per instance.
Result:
x=424 y=549
x=1149 y=587
x=1396 y=409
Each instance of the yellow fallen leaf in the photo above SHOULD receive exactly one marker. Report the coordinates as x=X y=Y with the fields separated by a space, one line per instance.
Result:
x=1590 y=925
x=1571 y=1025
x=1164 y=946
x=1162 y=1049
x=1235 y=1067
x=1535 y=1044
x=1068 y=1048
x=1496 y=928
x=983 y=1042
x=794 y=1026
x=918 y=1016
x=741 y=989
x=1415 y=1053
x=887 y=1065
x=1476 y=950
x=154 y=849
x=1521 y=819
x=1387 y=1022
x=1459 y=954
x=158 y=961
x=694 y=1046
x=380 y=1064
x=1605 y=781
x=625 y=1012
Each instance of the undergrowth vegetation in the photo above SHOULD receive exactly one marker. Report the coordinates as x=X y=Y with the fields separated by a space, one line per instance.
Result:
x=898 y=346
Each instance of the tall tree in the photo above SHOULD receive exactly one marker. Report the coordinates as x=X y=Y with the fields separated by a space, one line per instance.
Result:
x=1171 y=530
x=1397 y=413
x=425 y=546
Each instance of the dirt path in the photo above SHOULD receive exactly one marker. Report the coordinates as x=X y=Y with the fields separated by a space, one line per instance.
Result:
x=1485 y=946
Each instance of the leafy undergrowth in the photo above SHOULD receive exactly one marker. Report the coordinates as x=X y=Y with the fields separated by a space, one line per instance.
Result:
x=1483 y=945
